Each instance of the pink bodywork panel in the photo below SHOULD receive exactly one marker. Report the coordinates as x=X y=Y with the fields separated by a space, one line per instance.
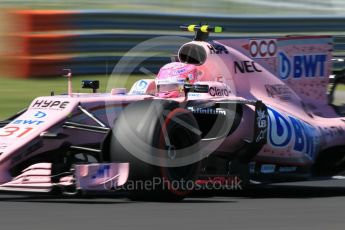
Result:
x=291 y=77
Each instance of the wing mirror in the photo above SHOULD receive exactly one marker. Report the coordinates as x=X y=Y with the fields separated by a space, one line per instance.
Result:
x=87 y=84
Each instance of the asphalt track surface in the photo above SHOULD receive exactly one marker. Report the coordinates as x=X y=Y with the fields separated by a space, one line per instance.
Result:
x=299 y=205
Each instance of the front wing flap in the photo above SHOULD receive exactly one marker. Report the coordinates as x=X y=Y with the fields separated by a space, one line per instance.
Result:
x=84 y=177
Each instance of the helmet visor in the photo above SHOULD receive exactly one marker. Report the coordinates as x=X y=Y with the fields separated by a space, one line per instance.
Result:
x=169 y=87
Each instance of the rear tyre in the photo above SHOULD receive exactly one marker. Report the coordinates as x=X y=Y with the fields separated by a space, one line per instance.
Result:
x=152 y=135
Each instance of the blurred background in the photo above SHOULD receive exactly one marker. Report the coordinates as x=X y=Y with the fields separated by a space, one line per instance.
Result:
x=38 y=38
x=236 y=7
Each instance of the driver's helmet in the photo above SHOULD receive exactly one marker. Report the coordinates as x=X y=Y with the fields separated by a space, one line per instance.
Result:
x=171 y=78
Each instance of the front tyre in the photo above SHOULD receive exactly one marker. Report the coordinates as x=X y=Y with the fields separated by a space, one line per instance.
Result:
x=160 y=140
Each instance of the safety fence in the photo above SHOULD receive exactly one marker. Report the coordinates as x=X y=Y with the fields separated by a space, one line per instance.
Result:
x=41 y=43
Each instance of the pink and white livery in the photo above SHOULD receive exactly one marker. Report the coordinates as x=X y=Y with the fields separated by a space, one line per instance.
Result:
x=236 y=109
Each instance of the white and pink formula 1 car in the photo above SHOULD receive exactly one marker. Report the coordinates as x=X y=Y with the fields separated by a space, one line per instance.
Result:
x=247 y=108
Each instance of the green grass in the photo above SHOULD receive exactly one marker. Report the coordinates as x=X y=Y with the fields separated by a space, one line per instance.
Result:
x=341 y=87
x=16 y=94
